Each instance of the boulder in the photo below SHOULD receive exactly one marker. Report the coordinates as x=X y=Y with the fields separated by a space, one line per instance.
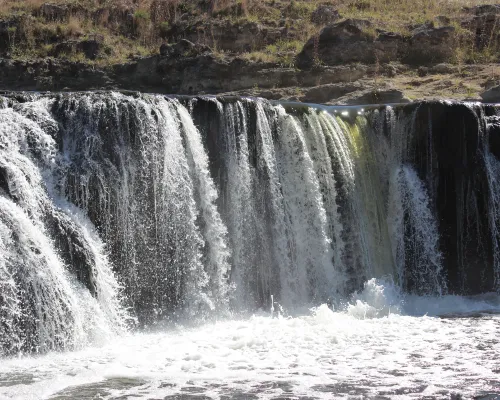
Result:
x=431 y=45
x=388 y=46
x=346 y=41
x=324 y=15
x=491 y=95
x=350 y=41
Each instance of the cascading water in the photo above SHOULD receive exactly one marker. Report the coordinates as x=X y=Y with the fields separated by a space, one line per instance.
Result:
x=122 y=212
x=43 y=305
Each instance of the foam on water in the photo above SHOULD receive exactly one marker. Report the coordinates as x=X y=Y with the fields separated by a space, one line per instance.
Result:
x=377 y=345
x=185 y=214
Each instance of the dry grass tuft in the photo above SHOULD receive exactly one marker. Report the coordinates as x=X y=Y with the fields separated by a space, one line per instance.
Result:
x=153 y=20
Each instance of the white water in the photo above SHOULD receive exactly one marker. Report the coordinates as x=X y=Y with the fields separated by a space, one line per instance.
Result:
x=408 y=199
x=43 y=307
x=382 y=343
x=273 y=211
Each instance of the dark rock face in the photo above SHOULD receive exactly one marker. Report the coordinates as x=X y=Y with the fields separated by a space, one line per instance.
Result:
x=447 y=152
x=430 y=45
x=389 y=46
x=352 y=41
x=346 y=41
x=491 y=95
x=55 y=12
x=226 y=36
x=91 y=48
x=484 y=23
x=181 y=68
x=359 y=41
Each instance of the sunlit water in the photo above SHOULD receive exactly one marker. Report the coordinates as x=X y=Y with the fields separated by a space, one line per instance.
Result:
x=381 y=345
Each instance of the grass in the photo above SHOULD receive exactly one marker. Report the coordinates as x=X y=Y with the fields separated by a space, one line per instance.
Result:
x=282 y=52
x=152 y=20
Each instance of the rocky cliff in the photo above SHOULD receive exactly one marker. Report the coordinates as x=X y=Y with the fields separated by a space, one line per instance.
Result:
x=308 y=51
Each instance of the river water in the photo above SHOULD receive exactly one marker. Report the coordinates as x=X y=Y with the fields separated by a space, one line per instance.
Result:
x=381 y=345
x=218 y=248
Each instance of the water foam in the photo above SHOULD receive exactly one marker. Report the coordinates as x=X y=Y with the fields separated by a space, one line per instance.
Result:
x=323 y=353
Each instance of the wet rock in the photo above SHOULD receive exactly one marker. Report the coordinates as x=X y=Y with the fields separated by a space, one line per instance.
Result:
x=324 y=15
x=4 y=183
x=491 y=95
x=429 y=45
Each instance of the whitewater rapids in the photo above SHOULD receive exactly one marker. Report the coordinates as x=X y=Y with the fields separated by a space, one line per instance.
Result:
x=380 y=345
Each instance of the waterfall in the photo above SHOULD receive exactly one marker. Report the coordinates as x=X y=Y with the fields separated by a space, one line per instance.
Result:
x=414 y=234
x=121 y=211
x=42 y=304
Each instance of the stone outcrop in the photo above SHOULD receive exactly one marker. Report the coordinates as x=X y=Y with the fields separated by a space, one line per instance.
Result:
x=431 y=45
x=491 y=95
x=484 y=23
x=197 y=71
x=226 y=36
x=343 y=42
x=91 y=48
x=356 y=40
